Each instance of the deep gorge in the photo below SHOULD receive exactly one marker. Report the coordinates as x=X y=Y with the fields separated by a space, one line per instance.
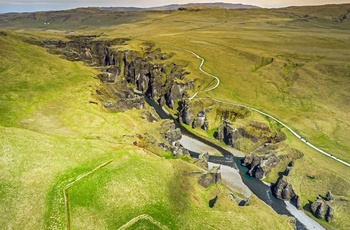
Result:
x=129 y=76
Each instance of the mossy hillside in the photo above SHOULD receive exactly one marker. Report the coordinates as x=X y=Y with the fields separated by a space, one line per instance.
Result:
x=129 y=186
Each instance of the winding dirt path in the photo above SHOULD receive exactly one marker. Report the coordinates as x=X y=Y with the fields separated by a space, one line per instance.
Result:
x=66 y=195
x=200 y=68
x=256 y=110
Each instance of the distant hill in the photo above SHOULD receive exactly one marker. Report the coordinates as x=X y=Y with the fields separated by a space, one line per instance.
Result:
x=177 y=6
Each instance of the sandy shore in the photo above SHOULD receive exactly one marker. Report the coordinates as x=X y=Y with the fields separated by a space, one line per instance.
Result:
x=197 y=146
x=309 y=223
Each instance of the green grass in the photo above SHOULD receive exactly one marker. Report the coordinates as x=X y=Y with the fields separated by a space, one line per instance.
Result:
x=306 y=87
x=50 y=135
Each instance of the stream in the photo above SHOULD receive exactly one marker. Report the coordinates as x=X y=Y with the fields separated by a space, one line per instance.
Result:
x=261 y=190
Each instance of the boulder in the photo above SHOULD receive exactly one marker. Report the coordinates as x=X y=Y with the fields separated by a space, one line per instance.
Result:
x=329 y=196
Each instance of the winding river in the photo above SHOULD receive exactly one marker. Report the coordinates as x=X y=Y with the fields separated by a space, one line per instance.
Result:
x=261 y=190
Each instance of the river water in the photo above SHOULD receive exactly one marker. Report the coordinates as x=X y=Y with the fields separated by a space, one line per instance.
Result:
x=261 y=190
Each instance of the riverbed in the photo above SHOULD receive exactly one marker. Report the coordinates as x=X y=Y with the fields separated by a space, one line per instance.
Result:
x=244 y=182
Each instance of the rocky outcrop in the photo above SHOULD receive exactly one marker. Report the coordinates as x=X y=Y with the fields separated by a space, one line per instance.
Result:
x=151 y=115
x=228 y=134
x=237 y=112
x=211 y=177
x=329 y=196
x=200 y=121
x=260 y=166
x=161 y=82
x=203 y=161
x=321 y=209
x=172 y=135
x=284 y=191
x=250 y=137
x=186 y=113
x=119 y=97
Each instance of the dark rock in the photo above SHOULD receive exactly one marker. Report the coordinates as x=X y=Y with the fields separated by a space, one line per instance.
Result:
x=329 y=196
x=322 y=209
x=257 y=133
x=227 y=133
x=212 y=177
x=329 y=214
x=199 y=120
x=186 y=114
x=284 y=191
x=260 y=165
x=173 y=135
x=296 y=201
x=213 y=201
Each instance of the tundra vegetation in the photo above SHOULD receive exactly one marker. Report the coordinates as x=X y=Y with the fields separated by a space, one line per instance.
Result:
x=292 y=63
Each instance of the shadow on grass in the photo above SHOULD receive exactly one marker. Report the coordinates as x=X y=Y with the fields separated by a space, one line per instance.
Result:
x=180 y=188
x=307 y=207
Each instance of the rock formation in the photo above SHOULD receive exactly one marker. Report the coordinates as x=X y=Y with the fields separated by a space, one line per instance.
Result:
x=172 y=135
x=203 y=161
x=284 y=190
x=255 y=133
x=211 y=177
x=200 y=121
x=186 y=114
x=227 y=134
x=160 y=82
x=329 y=196
x=321 y=209
x=260 y=166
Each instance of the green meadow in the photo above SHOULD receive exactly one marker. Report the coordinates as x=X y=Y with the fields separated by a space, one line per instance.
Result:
x=291 y=63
